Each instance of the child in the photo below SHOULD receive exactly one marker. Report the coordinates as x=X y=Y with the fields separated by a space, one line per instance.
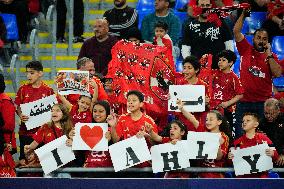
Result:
x=227 y=88
x=31 y=160
x=175 y=131
x=216 y=123
x=7 y=164
x=34 y=90
x=130 y=124
x=81 y=112
x=59 y=125
x=191 y=69
x=252 y=138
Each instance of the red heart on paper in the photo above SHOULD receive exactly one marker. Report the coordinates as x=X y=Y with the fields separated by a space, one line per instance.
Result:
x=91 y=136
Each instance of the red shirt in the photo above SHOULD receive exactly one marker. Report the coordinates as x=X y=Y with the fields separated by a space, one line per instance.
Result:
x=244 y=142
x=27 y=93
x=255 y=73
x=226 y=3
x=216 y=163
x=80 y=117
x=46 y=134
x=7 y=165
x=102 y=95
x=200 y=116
x=98 y=159
x=225 y=87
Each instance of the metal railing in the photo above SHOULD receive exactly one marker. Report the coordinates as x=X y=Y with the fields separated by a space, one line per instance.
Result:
x=15 y=72
x=70 y=13
x=34 y=41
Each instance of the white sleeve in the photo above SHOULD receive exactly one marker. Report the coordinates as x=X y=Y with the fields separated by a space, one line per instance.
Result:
x=229 y=45
x=185 y=51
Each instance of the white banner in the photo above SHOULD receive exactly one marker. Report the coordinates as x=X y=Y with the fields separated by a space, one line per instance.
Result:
x=168 y=157
x=39 y=111
x=90 y=136
x=54 y=154
x=73 y=82
x=251 y=160
x=193 y=97
x=128 y=153
x=203 y=145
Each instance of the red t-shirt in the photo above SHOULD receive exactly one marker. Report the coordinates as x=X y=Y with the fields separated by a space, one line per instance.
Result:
x=255 y=73
x=102 y=95
x=27 y=93
x=98 y=159
x=244 y=142
x=80 y=117
x=46 y=134
x=226 y=3
x=200 y=116
x=7 y=165
x=216 y=163
x=225 y=87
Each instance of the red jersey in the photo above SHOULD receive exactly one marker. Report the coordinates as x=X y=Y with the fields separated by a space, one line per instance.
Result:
x=7 y=111
x=102 y=95
x=200 y=116
x=216 y=163
x=7 y=165
x=254 y=72
x=278 y=96
x=80 y=117
x=46 y=134
x=244 y=142
x=225 y=87
x=98 y=159
x=226 y=3
x=27 y=93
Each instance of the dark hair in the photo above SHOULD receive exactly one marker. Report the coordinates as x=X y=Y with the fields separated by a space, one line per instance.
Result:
x=172 y=3
x=104 y=104
x=193 y=60
x=229 y=55
x=2 y=83
x=225 y=126
x=260 y=30
x=136 y=93
x=166 y=131
x=161 y=24
x=82 y=62
x=254 y=115
x=35 y=65
x=134 y=32
x=87 y=96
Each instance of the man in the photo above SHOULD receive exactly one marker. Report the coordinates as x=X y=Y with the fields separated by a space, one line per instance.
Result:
x=202 y=37
x=96 y=87
x=258 y=66
x=98 y=48
x=164 y=14
x=121 y=18
x=273 y=125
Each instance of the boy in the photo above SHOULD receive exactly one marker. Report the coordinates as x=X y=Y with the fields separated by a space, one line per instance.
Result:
x=34 y=90
x=227 y=88
x=252 y=138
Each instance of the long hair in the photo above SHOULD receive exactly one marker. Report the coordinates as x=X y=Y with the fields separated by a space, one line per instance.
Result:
x=224 y=127
x=166 y=131
x=66 y=122
x=104 y=104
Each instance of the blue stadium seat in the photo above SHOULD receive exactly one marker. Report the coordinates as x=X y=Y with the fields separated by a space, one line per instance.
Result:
x=278 y=82
x=278 y=45
x=179 y=66
x=10 y=22
x=249 y=38
x=272 y=174
x=180 y=4
x=236 y=66
x=253 y=22
x=181 y=15
x=145 y=5
x=141 y=15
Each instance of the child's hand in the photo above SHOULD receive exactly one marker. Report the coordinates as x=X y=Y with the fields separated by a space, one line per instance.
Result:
x=69 y=142
x=72 y=133
x=112 y=119
x=9 y=147
x=174 y=141
x=141 y=134
x=280 y=160
x=230 y=155
x=180 y=104
x=269 y=152
x=221 y=140
x=24 y=118
x=148 y=127
x=108 y=135
x=207 y=99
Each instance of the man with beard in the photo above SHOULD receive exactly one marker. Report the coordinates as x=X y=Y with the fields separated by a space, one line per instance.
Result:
x=98 y=48
x=203 y=37
x=258 y=66
x=96 y=88
x=121 y=18
x=273 y=125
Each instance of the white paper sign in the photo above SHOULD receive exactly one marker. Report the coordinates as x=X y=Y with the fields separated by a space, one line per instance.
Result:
x=73 y=82
x=251 y=160
x=193 y=97
x=167 y=157
x=203 y=145
x=90 y=136
x=39 y=111
x=128 y=153
x=54 y=154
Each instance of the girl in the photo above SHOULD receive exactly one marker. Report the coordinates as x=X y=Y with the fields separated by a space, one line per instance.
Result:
x=216 y=123
x=174 y=132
